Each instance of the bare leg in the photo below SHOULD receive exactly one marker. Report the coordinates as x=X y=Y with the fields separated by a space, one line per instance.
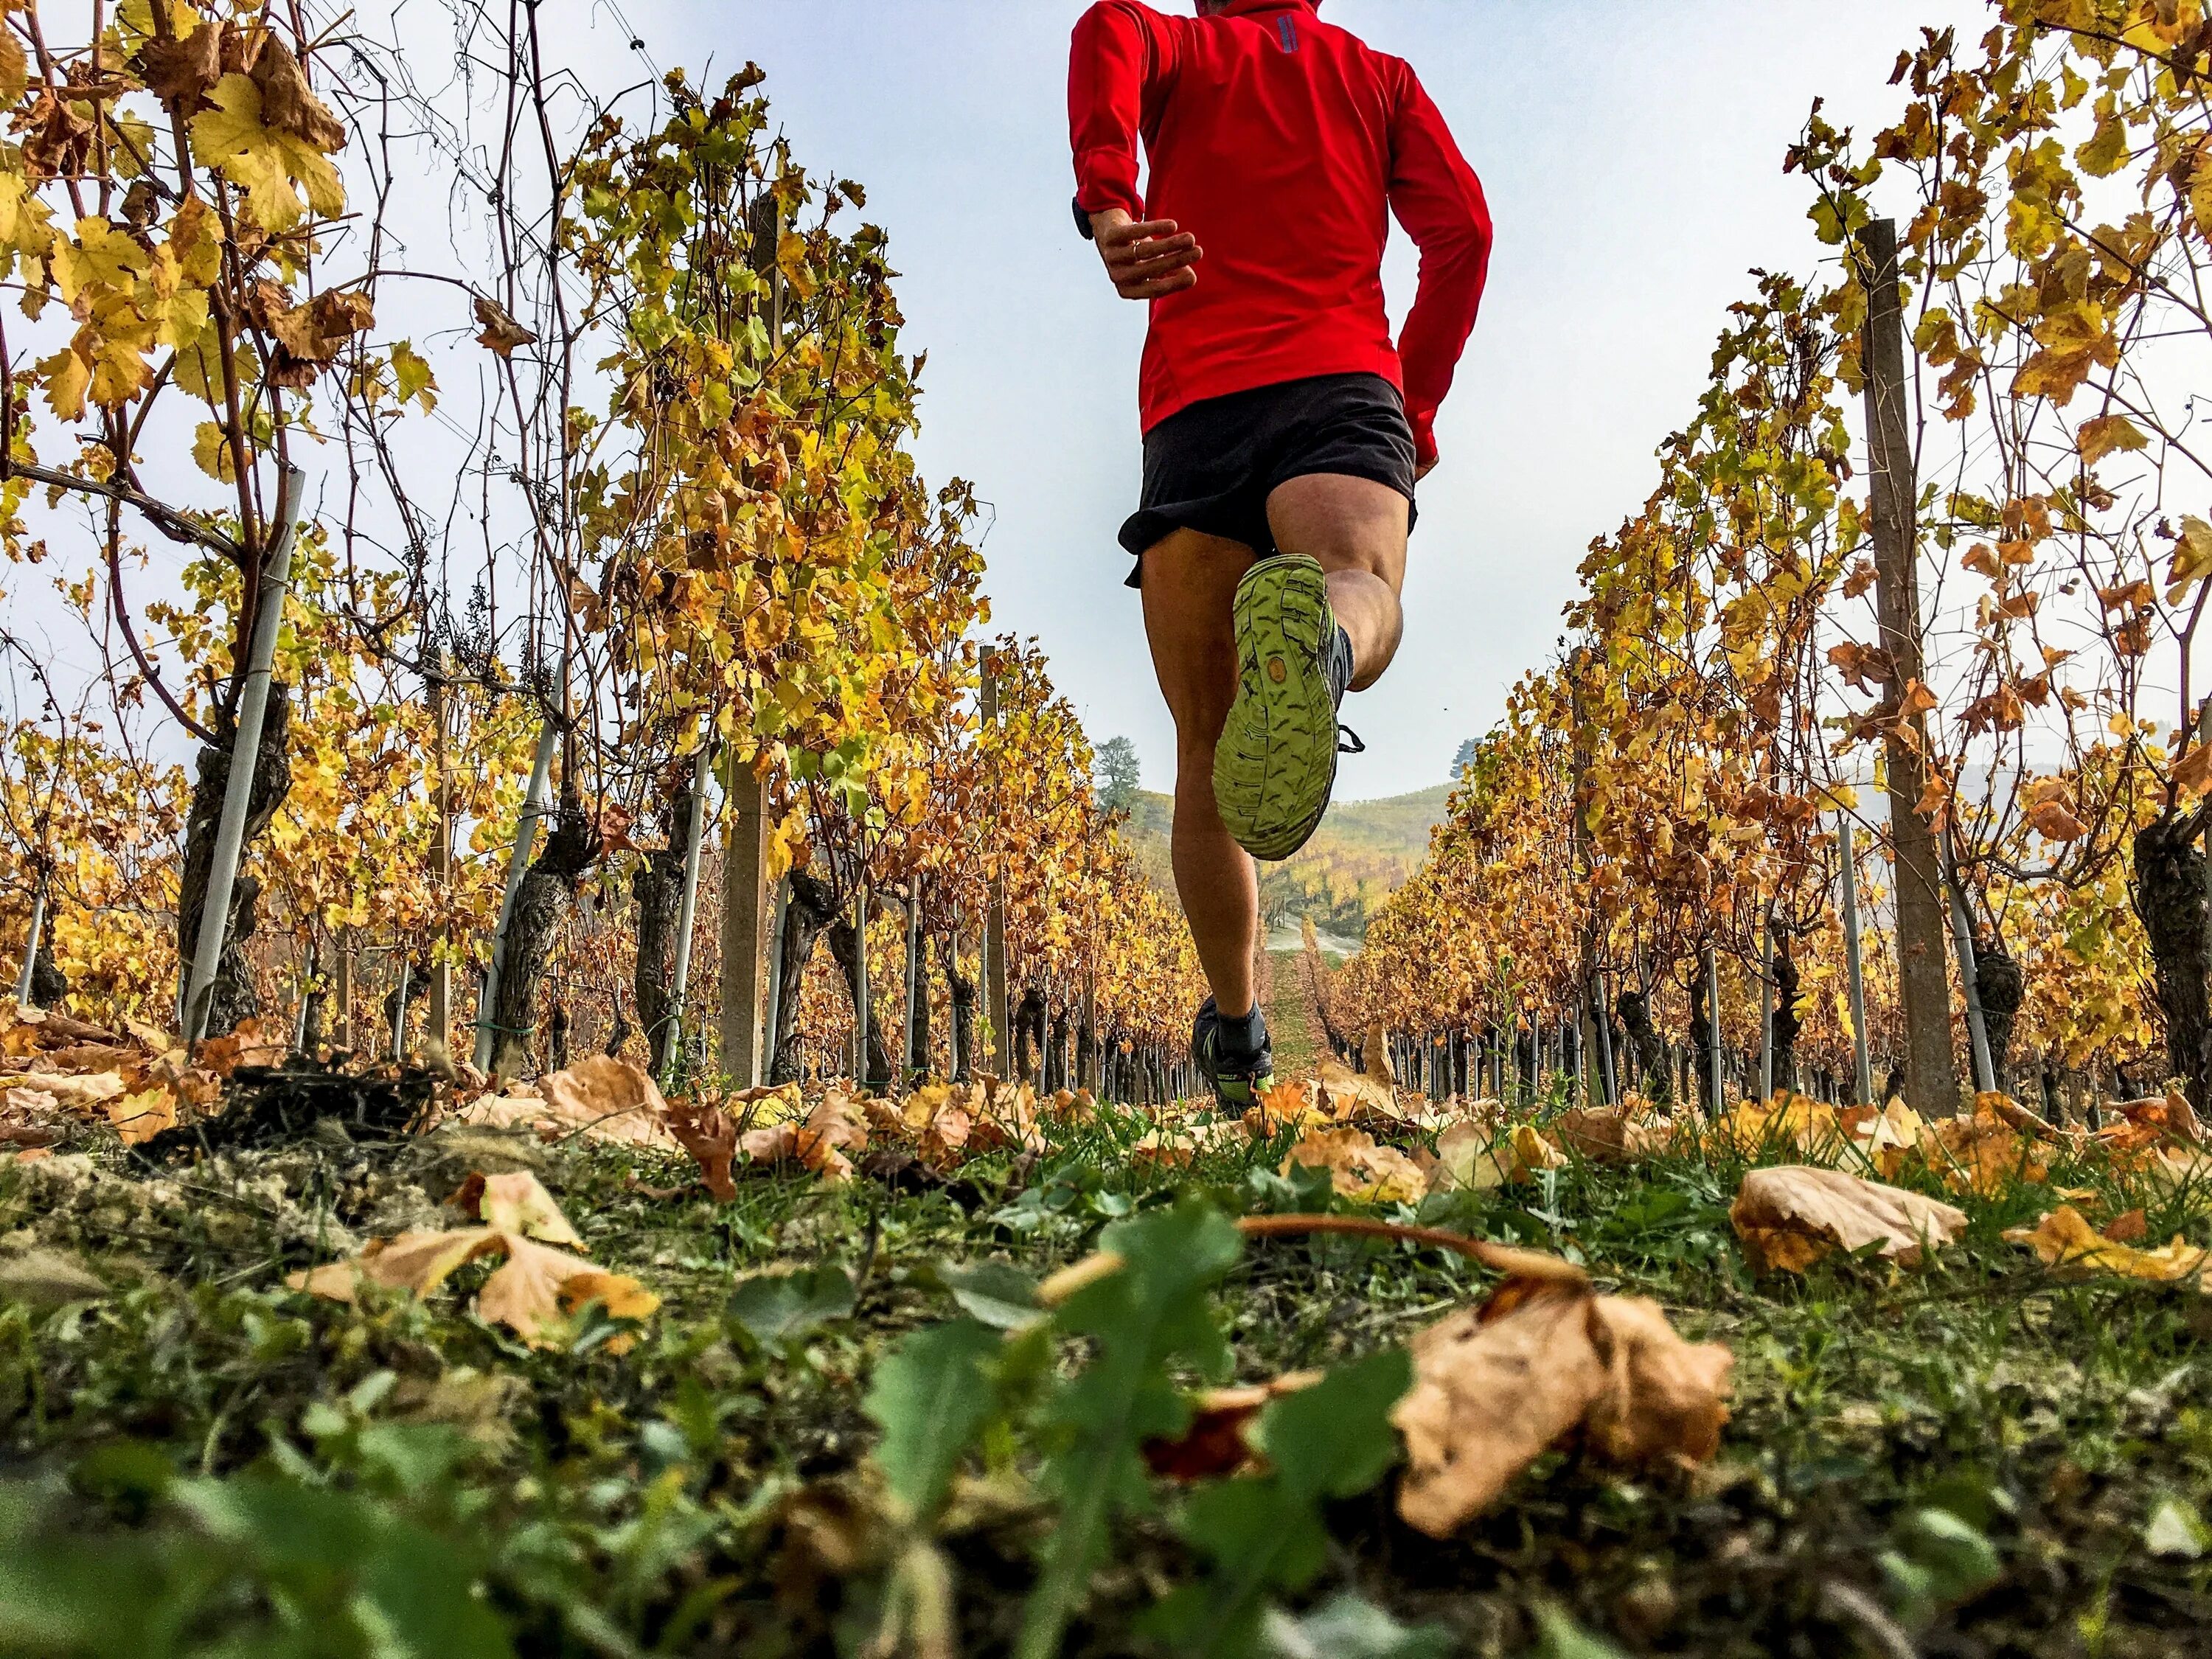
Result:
x=1357 y=528
x=1190 y=588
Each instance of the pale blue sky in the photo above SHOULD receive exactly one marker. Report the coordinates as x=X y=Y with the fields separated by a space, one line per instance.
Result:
x=1632 y=156
x=1631 y=153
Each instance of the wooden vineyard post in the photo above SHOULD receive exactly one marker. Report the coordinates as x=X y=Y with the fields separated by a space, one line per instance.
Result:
x=342 y=992
x=687 y=919
x=911 y=1066
x=31 y=942
x=525 y=836
x=1861 y=1060
x=1931 y=1078
x=1716 y=1101
x=1978 y=1031
x=438 y=1044
x=1766 y=1010
x=1001 y=1051
x=745 y=849
x=245 y=762
x=745 y=907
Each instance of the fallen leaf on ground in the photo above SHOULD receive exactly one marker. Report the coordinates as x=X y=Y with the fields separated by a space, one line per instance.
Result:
x=139 y=1118
x=832 y=1129
x=243 y=1046
x=1346 y=1093
x=516 y=1203
x=87 y=1093
x=1163 y=1149
x=529 y=1292
x=600 y=1098
x=1982 y=1153
x=48 y=1279
x=1791 y=1216
x=2131 y=1227
x=1471 y=1157
x=1359 y=1168
x=1285 y=1106
x=1215 y=1444
x=2064 y=1239
x=2169 y=1119
x=1882 y=1137
x=1496 y=1386
x=708 y=1134
x=1608 y=1134
x=1789 y=1122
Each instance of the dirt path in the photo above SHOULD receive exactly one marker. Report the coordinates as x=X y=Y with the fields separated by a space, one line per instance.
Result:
x=1292 y=1019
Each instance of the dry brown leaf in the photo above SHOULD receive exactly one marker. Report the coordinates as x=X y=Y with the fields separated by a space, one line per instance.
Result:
x=1791 y=1215
x=515 y=1202
x=1216 y=1445
x=88 y=1093
x=1163 y=1149
x=1375 y=1054
x=1359 y=1168
x=1345 y=1093
x=708 y=1134
x=245 y=1046
x=501 y=333
x=530 y=1293
x=599 y=1098
x=2129 y=1227
x=1470 y=1156
x=1982 y=1154
x=1607 y=1135
x=2064 y=1239
x=139 y=1118
x=1496 y=1387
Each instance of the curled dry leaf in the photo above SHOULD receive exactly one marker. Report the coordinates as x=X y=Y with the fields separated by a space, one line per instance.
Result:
x=529 y=1292
x=243 y=1046
x=1789 y=1122
x=1495 y=1387
x=1880 y=1139
x=1982 y=1153
x=501 y=333
x=598 y=1097
x=1470 y=1157
x=1345 y=1093
x=2064 y=1239
x=515 y=1202
x=1791 y=1216
x=708 y=1134
x=1607 y=1135
x=139 y=1118
x=833 y=1128
x=1359 y=1168
x=1216 y=1445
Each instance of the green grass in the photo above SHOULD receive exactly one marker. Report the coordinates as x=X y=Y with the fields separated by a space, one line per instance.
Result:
x=1976 y=1449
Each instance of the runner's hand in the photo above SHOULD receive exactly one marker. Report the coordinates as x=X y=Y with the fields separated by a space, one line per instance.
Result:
x=1144 y=256
x=1423 y=471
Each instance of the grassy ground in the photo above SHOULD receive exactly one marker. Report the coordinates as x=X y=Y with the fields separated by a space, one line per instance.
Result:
x=1975 y=1458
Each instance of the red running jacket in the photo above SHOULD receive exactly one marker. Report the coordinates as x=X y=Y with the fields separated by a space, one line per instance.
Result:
x=1283 y=143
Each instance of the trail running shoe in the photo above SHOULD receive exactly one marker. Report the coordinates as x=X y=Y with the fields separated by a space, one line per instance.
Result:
x=1276 y=762
x=1237 y=1078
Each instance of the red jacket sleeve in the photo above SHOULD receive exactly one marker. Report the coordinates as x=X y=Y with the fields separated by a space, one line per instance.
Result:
x=1123 y=55
x=1438 y=199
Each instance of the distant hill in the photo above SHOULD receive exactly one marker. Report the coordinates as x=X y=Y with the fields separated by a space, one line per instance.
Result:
x=1362 y=851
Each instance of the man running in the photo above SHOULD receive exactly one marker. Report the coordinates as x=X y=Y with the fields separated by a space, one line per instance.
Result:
x=1284 y=432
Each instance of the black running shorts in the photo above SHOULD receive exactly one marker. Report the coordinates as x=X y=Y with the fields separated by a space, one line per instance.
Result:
x=1210 y=467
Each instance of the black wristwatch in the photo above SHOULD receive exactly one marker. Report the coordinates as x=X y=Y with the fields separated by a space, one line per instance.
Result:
x=1083 y=221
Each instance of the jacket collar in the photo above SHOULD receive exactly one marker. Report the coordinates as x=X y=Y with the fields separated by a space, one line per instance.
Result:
x=1246 y=8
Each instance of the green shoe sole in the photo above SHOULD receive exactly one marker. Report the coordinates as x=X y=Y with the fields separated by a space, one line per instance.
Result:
x=1276 y=762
